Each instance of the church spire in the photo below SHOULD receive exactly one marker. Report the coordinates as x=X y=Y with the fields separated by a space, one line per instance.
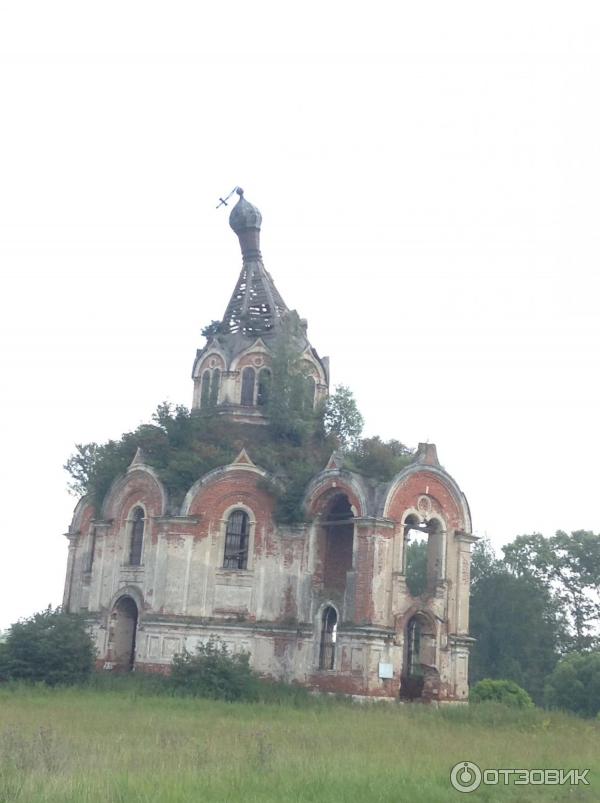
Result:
x=233 y=372
x=256 y=306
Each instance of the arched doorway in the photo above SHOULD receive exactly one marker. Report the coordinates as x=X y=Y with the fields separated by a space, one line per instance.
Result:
x=123 y=629
x=419 y=656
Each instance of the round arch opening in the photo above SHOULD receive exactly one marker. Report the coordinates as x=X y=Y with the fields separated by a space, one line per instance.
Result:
x=122 y=634
x=336 y=547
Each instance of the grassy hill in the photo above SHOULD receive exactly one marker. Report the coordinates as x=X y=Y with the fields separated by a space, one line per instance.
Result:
x=89 y=745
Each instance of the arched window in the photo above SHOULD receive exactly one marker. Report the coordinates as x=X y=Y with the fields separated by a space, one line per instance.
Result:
x=214 y=387
x=413 y=650
x=137 y=537
x=91 y=550
x=248 y=375
x=336 y=544
x=423 y=554
x=236 y=541
x=308 y=395
x=205 y=389
x=328 y=638
x=264 y=387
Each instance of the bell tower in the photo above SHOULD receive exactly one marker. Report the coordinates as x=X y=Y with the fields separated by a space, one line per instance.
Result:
x=232 y=373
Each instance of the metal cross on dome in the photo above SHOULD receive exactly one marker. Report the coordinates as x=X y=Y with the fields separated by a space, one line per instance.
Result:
x=223 y=201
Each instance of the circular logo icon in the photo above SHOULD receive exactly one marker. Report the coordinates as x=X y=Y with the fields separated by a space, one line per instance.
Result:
x=465 y=776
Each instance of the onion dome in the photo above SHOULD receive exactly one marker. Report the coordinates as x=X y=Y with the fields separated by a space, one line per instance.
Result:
x=245 y=220
x=244 y=215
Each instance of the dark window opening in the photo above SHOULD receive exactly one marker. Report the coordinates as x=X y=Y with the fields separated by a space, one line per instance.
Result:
x=338 y=533
x=236 y=541
x=340 y=509
x=214 y=387
x=248 y=376
x=264 y=387
x=308 y=399
x=91 y=550
x=413 y=659
x=328 y=638
x=205 y=389
x=137 y=537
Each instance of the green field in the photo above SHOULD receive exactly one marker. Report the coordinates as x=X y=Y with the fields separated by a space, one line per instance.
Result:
x=83 y=745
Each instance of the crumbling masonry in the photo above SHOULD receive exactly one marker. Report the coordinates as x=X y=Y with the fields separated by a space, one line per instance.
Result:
x=324 y=604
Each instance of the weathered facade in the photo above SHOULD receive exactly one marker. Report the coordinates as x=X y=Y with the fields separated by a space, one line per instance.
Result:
x=323 y=603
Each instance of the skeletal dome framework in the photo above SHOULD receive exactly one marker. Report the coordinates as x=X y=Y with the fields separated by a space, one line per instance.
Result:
x=231 y=372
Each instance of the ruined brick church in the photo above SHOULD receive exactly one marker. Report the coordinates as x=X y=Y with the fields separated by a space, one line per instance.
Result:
x=324 y=602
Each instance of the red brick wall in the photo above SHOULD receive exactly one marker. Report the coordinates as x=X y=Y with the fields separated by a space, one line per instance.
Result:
x=444 y=503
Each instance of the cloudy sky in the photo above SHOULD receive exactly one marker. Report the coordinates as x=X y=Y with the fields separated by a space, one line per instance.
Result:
x=428 y=175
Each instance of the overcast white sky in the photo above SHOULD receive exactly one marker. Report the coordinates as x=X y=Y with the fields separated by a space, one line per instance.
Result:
x=428 y=175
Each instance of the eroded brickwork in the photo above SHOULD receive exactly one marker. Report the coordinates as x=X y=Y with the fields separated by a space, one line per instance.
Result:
x=324 y=603
x=273 y=608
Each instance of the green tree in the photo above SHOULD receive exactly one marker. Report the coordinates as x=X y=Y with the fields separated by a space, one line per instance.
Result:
x=211 y=329
x=51 y=647
x=569 y=566
x=290 y=407
x=416 y=567
x=342 y=418
x=574 y=685
x=516 y=622
x=377 y=458
x=483 y=561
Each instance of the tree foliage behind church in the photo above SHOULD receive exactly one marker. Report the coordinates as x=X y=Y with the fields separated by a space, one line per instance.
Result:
x=182 y=447
x=534 y=606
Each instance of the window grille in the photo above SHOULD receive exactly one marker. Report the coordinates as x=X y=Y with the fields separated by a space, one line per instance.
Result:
x=236 y=541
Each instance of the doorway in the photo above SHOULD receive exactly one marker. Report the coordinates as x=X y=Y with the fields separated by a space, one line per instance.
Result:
x=122 y=635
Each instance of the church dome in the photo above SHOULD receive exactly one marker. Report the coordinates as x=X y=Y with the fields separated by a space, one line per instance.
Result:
x=244 y=215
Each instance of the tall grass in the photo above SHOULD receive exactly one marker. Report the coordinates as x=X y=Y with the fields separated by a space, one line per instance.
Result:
x=124 y=744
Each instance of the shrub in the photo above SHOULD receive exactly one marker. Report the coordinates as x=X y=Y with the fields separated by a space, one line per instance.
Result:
x=574 y=685
x=50 y=647
x=214 y=672
x=506 y=692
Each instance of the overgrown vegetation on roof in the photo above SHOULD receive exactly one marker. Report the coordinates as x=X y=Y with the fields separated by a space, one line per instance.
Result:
x=295 y=445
